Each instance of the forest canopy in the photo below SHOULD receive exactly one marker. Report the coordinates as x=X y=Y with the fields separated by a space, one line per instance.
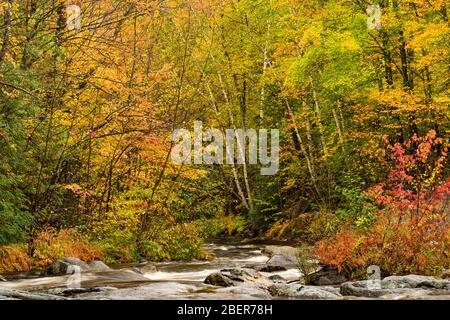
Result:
x=89 y=99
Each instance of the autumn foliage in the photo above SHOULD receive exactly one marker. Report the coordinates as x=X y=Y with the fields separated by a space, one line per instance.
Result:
x=412 y=230
x=51 y=245
x=87 y=116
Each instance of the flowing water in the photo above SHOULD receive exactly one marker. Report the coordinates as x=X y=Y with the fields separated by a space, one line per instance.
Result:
x=171 y=280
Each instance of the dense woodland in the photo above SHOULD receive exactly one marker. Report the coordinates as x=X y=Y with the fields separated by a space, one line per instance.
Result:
x=86 y=116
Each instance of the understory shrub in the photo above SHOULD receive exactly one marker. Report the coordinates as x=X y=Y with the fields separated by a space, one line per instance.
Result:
x=411 y=231
x=50 y=245
x=308 y=227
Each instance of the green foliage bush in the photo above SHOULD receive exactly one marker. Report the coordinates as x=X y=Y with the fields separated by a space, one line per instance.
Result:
x=356 y=207
x=222 y=225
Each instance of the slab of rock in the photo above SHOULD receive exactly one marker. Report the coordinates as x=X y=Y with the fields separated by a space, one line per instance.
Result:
x=73 y=291
x=278 y=262
x=400 y=286
x=361 y=289
x=60 y=267
x=326 y=277
x=24 y=295
x=236 y=277
x=244 y=292
x=97 y=265
x=414 y=281
x=219 y=279
x=285 y=250
x=299 y=291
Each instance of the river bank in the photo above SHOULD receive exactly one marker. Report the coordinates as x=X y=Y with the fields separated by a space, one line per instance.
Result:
x=239 y=270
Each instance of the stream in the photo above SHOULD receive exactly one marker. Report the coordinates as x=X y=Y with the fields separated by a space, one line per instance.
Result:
x=171 y=280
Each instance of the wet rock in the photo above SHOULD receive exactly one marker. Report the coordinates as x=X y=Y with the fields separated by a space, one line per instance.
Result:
x=23 y=295
x=277 y=278
x=326 y=277
x=414 y=281
x=278 y=262
x=299 y=291
x=282 y=250
x=243 y=292
x=282 y=262
x=97 y=265
x=148 y=268
x=73 y=291
x=219 y=279
x=398 y=286
x=235 y=277
x=361 y=289
x=61 y=267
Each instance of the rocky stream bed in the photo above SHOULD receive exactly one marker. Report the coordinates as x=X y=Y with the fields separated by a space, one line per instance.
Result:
x=240 y=270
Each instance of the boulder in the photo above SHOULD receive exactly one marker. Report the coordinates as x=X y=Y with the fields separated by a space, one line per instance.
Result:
x=248 y=292
x=284 y=250
x=404 y=286
x=76 y=262
x=219 y=279
x=97 y=265
x=361 y=289
x=60 y=267
x=327 y=276
x=299 y=291
x=235 y=277
x=280 y=262
x=414 y=281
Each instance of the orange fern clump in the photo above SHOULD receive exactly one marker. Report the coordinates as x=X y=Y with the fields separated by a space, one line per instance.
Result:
x=342 y=253
x=14 y=258
x=52 y=245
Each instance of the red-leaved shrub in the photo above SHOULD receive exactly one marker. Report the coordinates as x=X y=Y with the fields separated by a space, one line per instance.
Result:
x=411 y=233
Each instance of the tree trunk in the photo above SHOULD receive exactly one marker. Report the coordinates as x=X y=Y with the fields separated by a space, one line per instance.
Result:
x=6 y=34
x=302 y=146
x=318 y=118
